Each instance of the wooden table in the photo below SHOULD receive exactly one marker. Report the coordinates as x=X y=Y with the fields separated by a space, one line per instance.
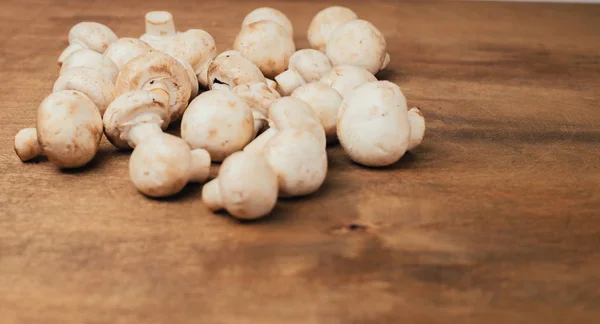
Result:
x=495 y=219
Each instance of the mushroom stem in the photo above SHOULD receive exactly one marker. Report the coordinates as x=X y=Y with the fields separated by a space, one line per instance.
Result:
x=142 y=131
x=259 y=143
x=160 y=23
x=211 y=195
x=68 y=51
x=288 y=81
x=200 y=165
x=26 y=144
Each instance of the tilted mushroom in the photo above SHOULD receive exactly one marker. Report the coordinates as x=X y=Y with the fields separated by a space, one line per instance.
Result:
x=126 y=49
x=230 y=69
x=89 y=82
x=346 y=78
x=325 y=101
x=299 y=160
x=266 y=44
x=325 y=22
x=88 y=58
x=306 y=66
x=159 y=73
x=373 y=127
x=160 y=29
x=246 y=187
x=259 y=97
x=92 y=35
x=219 y=122
x=417 y=127
x=161 y=165
x=266 y=13
x=68 y=131
x=197 y=47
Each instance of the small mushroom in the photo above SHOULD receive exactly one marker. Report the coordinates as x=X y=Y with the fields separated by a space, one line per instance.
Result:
x=219 y=122
x=88 y=58
x=230 y=69
x=266 y=44
x=271 y=14
x=358 y=43
x=161 y=165
x=126 y=49
x=197 y=47
x=325 y=101
x=89 y=82
x=299 y=160
x=306 y=66
x=159 y=73
x=68 y=131
x=246 y=187
x=373 y=127
x=259 y=97
x=325 y=22
x=417 y=127
x=92 y=35
x=346 y=78
x=160 y=29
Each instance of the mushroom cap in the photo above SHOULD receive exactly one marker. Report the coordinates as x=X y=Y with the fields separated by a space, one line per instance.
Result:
x=195 y=46
x=126 y=49
x=195 y=87
x=160 y=165
x=325 y=101
x=89 y=82
x=358 y=43
x=69 y=128
x=143 y=71
x=266 y=13
x=248 y=185
x=92 y=35
x=346 y=78
x=417 y=127
x=267 y=45
x=132 y=109
x=219 y=122
x=88 y=58
x=258 y=96
x=299 y=161
x=373 y=127
x=325 y=22
x=289 y=112
x=232 y=69
x=310 y=64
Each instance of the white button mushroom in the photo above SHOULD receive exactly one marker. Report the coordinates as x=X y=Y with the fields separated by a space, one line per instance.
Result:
x=230 y=69
x=68 y=131
x=88 y=58
x=417 y=127
x=219 y=122
x=307 y=65
x=92 y=35
x=160 y=29
x=160 y=73
x=299 y=160
x=246 y=187
x=161 y=165
x=346 y=78
x=325 y=22
x=89 y=82
x=259 y=97
x=358 y=43
x=126 y=49
x=197 y=47
x=373 y=127
x=325 y=101
x=271 y=14
x=266 y=44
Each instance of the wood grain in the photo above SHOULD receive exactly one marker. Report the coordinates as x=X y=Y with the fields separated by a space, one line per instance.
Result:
x=495 y=219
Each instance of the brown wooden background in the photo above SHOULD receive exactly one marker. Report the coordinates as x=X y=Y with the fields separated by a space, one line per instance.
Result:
x=495 y=219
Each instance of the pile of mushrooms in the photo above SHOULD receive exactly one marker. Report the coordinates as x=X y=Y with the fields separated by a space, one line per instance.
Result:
x=263 y=111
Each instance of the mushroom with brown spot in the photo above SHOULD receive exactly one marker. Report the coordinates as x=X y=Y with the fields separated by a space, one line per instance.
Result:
x=88 y=58
x=306 y=66
x=325 y=101
x=346 y=78
x=91 y=35
x=89 y=82
x=259 y=97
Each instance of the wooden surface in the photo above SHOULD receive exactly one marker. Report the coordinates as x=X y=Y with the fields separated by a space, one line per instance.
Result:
x=495 y=219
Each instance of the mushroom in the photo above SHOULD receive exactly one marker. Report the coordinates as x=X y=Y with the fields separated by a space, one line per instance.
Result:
x=417 y=127
x=325 y=22
x=126 y=49
x=346 y=78
x=230 y=69
x=373 y=127
x=88 y=58
x=161 y=165
x=266 y=44
x=246 y=187
x=197 y=47
x=306 y=65
x=195 y=88
x=68 y=131
x=271 y=14
x=135 y=116
x=299 y=160
x=358 y=43
x=92 y=35
x=259 y=97
x=159 y=73
x=89 y=82
x=325 y=101
x=219 y=122
x=160 y=29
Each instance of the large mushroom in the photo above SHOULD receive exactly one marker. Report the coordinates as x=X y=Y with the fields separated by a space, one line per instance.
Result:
x=89 y=82
x=91 y=35
x=87 y=58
